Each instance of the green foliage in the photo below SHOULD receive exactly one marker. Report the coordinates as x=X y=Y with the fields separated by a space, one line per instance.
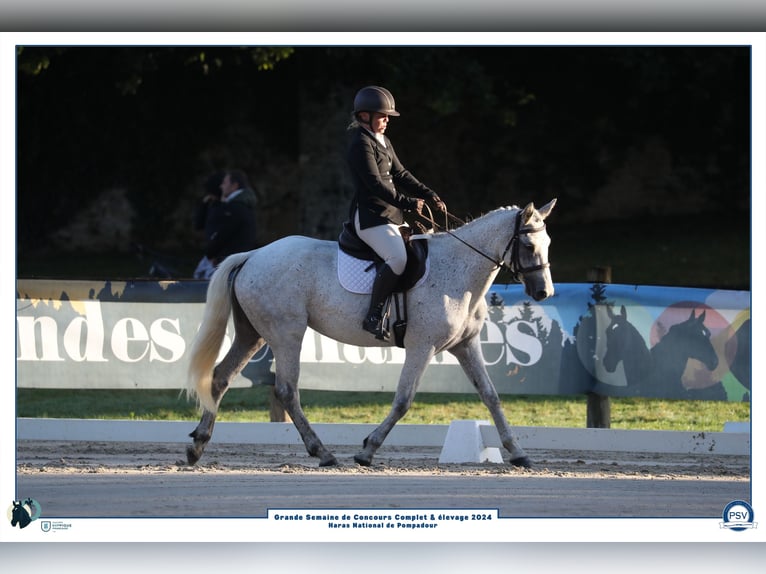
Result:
x=31 y=63
x=612 y=132
x=131 y=63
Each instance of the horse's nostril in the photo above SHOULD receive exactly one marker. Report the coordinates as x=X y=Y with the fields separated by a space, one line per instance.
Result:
x=541 y=294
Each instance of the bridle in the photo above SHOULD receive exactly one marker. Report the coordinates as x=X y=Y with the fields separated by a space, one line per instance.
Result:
x=514 y=267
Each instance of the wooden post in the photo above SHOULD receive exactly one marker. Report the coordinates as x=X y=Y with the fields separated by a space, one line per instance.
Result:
x=600 y=275
x=599 y=412
x=599 y=409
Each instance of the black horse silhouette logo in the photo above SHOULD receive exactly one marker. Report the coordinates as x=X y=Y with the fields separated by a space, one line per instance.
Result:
x=21 y=516
x=24 y=512
x=651 y=372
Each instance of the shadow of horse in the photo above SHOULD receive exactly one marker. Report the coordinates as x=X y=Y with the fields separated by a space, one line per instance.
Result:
x=657 y=372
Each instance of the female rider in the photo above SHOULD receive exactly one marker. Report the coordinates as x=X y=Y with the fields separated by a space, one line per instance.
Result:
x=378 y=204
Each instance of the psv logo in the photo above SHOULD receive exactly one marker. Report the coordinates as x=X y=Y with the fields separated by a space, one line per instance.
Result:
x=738 y=515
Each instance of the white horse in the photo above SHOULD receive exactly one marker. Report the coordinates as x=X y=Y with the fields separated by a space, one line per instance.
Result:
x=275 y=292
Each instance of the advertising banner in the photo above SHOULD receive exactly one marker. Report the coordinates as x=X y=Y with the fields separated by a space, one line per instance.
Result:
x=615 y=340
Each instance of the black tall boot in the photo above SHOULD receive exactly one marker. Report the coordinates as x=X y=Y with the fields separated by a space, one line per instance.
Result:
x=385 y=282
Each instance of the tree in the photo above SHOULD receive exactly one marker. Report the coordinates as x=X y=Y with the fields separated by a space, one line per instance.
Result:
x=484 y=126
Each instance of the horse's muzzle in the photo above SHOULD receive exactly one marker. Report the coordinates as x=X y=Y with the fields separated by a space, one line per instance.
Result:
x=539 y=292
x=541 y=295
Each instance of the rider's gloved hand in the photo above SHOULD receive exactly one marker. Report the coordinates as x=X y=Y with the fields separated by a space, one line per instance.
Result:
x=439 y=204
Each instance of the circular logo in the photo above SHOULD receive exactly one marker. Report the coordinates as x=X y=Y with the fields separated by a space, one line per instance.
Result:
x=22 y=512
x=738 y=515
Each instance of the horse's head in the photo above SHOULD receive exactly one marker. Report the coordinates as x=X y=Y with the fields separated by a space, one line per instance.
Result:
x=529 y=251
x=696 y=338
x=625 y=343
x=615 y=338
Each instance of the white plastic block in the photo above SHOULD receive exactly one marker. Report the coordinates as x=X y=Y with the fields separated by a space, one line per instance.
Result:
x=464 y=443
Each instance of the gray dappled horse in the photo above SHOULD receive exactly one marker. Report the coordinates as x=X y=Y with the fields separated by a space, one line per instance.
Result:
x=277 y=291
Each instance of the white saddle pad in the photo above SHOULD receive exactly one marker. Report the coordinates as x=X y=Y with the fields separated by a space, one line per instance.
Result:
x=354 y=278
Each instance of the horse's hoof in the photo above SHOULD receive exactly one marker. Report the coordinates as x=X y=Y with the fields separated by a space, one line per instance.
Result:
x=362 y=461
x=200 y=437
x=522 y=462
x=192 y=456
x=329 y=461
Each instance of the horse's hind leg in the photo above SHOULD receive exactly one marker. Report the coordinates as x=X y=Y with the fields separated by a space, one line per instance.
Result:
x=287 y=360
x=201 y=436
x=469 y=355
x=246 y=343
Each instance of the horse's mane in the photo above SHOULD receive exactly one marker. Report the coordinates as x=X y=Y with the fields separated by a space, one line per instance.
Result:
x=470 y=220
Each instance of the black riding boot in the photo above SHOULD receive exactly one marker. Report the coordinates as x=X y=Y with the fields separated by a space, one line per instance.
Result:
x=385 y=281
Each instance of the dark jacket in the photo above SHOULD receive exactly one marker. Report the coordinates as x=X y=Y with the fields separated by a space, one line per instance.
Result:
x=378 y=175
x=204 y=216
x=230 y=227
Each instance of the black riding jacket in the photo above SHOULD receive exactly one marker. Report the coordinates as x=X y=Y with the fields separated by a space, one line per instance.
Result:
x=378 y=175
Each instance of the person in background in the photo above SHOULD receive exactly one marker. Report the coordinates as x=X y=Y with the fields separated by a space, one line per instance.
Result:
x=379 y=203
x=205 y=219
x=229 y=224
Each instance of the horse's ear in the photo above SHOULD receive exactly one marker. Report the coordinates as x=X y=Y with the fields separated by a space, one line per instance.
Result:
x=701 y=318
x=609 y=312
x=624 y=312
x=546 y=209
x=527 y=213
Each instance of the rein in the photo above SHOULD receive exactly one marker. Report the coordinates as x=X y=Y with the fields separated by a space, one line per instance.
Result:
x=514 y=267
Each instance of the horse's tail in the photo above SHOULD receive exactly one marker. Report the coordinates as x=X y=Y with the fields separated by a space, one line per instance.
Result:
x=207 y=342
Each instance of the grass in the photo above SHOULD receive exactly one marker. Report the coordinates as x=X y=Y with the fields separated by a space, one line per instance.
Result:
x=252 y=405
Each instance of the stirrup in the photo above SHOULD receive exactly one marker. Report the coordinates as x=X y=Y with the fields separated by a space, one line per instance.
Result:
x=374 y=324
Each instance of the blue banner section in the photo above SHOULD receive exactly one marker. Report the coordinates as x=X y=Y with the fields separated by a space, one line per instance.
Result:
x=625 y=340
x=615 y=340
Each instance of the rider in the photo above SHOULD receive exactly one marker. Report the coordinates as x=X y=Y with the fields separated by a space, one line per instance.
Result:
x=378 y=205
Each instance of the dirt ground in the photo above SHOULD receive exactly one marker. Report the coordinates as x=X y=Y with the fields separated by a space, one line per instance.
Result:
x=121 y=479
x=94 y=457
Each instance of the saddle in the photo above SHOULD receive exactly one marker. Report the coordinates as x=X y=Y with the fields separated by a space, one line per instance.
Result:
x=417 y=254
x=354 y=251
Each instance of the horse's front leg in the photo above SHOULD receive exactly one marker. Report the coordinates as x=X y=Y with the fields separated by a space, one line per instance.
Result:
x=414 y=366
x=469 y=355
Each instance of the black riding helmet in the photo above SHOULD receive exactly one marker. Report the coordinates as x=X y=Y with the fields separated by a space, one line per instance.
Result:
x=375 y=99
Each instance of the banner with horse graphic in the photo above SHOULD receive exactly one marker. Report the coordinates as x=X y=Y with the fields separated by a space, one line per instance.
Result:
x=616 y=340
